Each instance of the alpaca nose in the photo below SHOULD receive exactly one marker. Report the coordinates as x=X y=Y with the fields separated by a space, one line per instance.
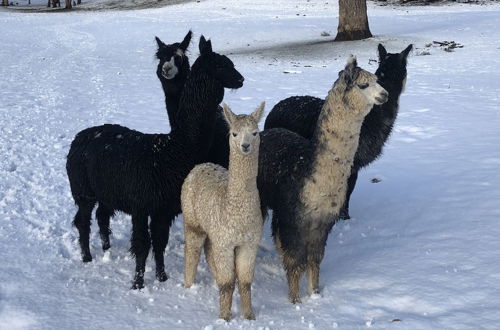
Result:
x=245 y=147
x=383 y=97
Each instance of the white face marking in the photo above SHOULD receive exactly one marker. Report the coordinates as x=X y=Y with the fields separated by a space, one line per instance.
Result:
x=375 y=93
x=169 y=69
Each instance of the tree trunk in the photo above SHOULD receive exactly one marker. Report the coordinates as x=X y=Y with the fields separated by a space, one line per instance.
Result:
x=68 y=4
x=5 y=2
x=79 y=2
x=353 y=21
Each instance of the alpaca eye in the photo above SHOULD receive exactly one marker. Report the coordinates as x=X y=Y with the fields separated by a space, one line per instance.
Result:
x=235 y=134
x=254 y=133
x=362 y=86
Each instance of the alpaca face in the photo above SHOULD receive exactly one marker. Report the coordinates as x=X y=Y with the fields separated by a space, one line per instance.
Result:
x=244 y=130
x=362 y=89
x=370 y=89
x=172 y=58
x=219 y=66
x=169 y=69
x=392 y=67
x=223 y=70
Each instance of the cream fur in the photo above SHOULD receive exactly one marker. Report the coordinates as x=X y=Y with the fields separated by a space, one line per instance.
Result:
x=337 y=136
x=338 y=132
x=222 y=214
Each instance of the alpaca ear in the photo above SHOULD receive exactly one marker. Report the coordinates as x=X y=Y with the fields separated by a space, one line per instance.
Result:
x=185 y=43
x=352 y=63
x=160 y=43
x=205 y=46
x=257 y=114
x=404 y=53
x=382 y=53
x=202 y=43
x=228 y=114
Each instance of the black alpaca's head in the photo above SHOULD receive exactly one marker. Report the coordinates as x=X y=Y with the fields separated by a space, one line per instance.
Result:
x=392 y=67
x=174 y=64
x=218 y=66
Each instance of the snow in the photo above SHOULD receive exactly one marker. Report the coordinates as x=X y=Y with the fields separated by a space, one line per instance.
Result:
x=422 y=249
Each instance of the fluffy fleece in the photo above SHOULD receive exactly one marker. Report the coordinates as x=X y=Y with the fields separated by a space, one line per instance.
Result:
x=221 y=210
x=304 y=181
x=300 y=114
x=142 y=174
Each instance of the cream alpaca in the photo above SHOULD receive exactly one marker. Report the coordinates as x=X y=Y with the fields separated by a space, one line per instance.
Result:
x=222 y=213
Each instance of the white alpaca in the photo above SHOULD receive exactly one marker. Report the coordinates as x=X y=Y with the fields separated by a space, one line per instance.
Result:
x=222 y=212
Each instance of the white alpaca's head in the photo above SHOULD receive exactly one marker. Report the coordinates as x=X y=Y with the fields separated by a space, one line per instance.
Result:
x=244 y=130
x=361 y=86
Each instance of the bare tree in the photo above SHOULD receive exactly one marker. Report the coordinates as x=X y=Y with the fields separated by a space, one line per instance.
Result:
x=5 y=2
x=353 y=21
x=68 y=4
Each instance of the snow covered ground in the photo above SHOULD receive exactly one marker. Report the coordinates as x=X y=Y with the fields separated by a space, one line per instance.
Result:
x=422 y=250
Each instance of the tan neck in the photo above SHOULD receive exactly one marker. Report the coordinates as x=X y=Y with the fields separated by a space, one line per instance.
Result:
x=336 y=140
x=242 y=174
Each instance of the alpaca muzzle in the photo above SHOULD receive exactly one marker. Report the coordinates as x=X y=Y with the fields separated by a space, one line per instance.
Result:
x=382 y=98
x=169 y=69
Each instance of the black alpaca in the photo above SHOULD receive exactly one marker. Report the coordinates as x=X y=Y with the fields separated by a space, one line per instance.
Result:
x=304 y=181
x=172 y=79
x=300 y=114
x=173 y=70
x=142 y=174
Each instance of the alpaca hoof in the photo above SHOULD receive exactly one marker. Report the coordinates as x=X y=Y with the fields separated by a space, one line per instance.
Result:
x=86 y=257
x=225 y=315
x=138 y=282
x=249 y=316
x=161 y=276
x=106 y=246
x=344 y=215
x=138 y=285
x=295 y=299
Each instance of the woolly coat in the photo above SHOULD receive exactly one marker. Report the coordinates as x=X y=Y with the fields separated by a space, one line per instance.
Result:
x=299 y=114
x=139 y=173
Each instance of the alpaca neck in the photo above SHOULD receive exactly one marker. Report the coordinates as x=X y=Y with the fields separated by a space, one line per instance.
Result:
x=242 y=175
x=197 y=109
x=394 y=88
x=336 y=140
x=172 y=105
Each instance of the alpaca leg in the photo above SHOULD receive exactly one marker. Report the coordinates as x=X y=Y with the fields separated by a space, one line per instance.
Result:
x=103 y=214
x=290 y=245
x=82 y=223
x=351 y=183
x=293 y=277
x=194 y=240
x=313 y=277
x=209 y=256
x=160 y=230
x=315 y=253
x=141 y=243
x=224 y=275
x=245 y=265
